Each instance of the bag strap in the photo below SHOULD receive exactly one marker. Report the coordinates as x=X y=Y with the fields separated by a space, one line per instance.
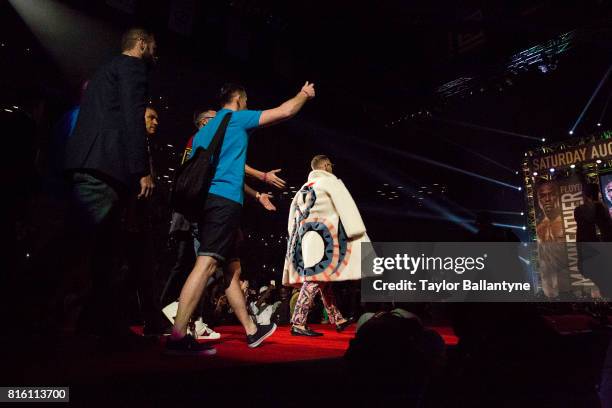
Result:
x=217 y=142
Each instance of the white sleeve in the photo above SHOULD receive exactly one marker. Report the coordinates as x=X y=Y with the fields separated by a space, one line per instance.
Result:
x=291 y=221
x=346 y=208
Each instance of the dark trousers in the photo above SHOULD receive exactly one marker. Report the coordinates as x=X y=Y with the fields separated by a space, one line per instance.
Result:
x=96 y=216
x=185 y=259
x=142 y=277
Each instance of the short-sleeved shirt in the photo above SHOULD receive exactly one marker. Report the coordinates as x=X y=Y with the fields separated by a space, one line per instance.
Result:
x=229 y=176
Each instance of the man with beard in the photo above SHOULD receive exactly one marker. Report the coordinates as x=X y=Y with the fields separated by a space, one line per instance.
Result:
x=108 y=161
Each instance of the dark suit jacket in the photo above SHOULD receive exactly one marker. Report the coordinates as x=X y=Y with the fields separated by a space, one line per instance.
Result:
x=109 y=137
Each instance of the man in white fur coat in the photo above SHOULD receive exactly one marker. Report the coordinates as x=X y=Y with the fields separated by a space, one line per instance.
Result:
x=324 y=245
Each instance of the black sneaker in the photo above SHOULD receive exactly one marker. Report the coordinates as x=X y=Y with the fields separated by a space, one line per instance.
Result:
x=262 y=333
x=187 y=346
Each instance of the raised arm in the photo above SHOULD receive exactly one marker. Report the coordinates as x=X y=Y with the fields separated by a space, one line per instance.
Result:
x=289 y=108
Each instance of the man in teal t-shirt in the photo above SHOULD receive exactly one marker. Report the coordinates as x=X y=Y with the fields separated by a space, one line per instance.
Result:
x=220 y=218
x=229 y=177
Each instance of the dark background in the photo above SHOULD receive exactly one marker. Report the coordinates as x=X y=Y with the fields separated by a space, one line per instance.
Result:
x=373 y=64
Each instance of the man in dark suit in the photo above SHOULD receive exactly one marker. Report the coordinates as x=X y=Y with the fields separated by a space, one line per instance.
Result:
x=108 y=161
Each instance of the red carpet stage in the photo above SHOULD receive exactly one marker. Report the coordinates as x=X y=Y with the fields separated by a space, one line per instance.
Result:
x=283 y=347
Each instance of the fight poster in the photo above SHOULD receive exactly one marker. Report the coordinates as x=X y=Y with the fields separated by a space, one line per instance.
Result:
x=555 y=201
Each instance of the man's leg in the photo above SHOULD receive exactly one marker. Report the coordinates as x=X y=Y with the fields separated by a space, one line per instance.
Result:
x=235 y=297
x=192 y=292
x=96 y=210
x=329 y=302
x=304 y=304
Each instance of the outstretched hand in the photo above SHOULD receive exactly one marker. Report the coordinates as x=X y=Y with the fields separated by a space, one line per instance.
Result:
x=271 y=178
x=309 y=90
x=264 y=200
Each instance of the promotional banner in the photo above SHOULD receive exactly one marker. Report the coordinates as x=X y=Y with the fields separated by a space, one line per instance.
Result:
x=555 y=202
x=605 y=182
x=600 y=150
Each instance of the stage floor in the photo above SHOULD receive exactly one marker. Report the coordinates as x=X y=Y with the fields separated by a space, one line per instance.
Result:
x=275 y=374
x=76 y=359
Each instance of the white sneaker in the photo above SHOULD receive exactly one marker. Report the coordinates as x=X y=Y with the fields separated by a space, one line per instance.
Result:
x=170 y=311
x=202 y=331
x=205 y=332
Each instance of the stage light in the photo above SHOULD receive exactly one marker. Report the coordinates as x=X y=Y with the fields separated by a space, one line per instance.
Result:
x=519 y=188
x=543 y=139
x=524 y=228
x=8 y=110
x=516 y=172
x=552 y=170
x=599 y=124
x=522 y=213
x=535 y=173
x=598 y=161
x=571 y=132
x=572 y=166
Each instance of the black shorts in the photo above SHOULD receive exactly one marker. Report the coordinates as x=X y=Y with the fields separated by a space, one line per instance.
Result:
x=218 y=227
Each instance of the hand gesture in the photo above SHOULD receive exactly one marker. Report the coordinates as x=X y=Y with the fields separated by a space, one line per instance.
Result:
x=309 y=90
x=146 y=187
x=264 y=200
x=271 y=178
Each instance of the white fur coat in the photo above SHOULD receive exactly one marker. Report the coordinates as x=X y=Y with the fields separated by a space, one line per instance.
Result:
x=325 y=233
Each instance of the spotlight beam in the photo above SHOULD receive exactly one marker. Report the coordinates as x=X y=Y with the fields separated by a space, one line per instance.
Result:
x=519 y=227
x=486 y=129
x=78 y=43
x=340 y=151
x=502 y=212
x=428 y=216
x=482 y=156
x=411 y=214
x=588 y=105
x=605 y=108
x=432 y=162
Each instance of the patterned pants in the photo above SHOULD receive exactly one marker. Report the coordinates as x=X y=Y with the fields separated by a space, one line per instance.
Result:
x=306 y=299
